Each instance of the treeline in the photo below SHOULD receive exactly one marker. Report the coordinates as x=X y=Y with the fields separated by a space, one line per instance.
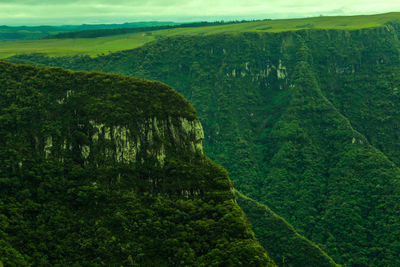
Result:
x=110 y=32
x=13 y=33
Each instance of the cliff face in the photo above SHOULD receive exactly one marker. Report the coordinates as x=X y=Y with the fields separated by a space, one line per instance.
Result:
x=104 y=169
x=94 y=115
x=305 y=122
x=121 y=144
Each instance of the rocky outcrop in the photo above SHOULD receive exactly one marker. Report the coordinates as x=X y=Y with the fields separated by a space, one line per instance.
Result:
x=122 y=144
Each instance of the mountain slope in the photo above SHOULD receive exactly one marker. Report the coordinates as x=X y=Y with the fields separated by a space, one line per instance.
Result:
x=285 y=246
x=102 y=169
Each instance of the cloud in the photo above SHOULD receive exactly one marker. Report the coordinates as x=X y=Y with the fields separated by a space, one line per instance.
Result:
x=86 y=10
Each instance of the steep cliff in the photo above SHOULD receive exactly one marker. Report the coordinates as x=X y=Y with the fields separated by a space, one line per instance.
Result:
x=100 y=169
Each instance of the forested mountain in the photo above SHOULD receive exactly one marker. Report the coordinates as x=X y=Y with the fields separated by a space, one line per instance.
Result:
x=106 y=170
x=306 y=122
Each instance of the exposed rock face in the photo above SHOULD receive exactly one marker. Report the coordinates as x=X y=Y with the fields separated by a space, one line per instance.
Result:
x=125 y=145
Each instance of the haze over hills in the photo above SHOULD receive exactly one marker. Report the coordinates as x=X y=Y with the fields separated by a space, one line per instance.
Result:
x=305 y=119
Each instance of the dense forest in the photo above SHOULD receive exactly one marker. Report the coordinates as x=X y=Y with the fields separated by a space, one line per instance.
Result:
x=306 y=122
x=108 y=170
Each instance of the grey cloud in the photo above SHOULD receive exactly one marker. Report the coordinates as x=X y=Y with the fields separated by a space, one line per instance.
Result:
x=12 y=11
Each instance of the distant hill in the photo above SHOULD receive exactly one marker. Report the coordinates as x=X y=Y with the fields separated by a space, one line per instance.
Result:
x=8 y=33
x=130 y=39
x=119 y=31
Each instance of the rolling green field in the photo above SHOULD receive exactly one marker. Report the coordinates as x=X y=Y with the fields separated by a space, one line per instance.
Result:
x=105 y=45
x=67 y=47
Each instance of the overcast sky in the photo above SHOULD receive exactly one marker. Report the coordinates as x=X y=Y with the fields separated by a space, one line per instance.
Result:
x=58 y=12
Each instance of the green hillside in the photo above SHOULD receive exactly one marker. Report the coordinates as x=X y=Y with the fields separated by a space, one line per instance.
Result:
x=305 y=122
x=285 y=246
x=108 y=170
x=105 y=45
x=64 y=47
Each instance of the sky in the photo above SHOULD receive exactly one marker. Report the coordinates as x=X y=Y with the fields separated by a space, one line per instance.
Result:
x=62 y=12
